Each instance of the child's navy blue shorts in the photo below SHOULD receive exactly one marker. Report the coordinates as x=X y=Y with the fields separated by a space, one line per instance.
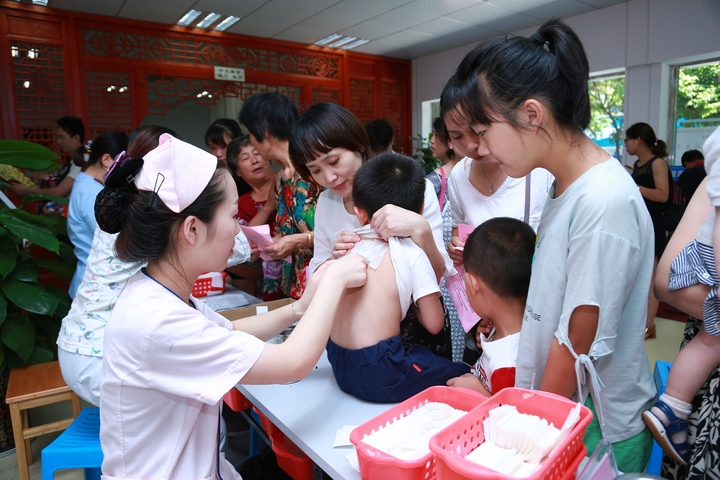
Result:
x=390 y=371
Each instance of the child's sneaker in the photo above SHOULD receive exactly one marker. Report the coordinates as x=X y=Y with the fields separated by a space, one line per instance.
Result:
x=663 y=432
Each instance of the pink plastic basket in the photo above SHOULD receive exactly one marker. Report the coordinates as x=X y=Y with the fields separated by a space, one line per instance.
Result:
x=452 y=444
x=377 y=464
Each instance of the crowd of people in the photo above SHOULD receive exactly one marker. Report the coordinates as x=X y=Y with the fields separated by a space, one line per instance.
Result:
x=565 y=258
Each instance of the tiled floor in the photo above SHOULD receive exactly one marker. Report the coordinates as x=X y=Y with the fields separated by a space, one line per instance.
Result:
x=664 y=347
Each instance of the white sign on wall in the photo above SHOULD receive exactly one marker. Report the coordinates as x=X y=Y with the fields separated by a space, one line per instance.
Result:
x=230 y=74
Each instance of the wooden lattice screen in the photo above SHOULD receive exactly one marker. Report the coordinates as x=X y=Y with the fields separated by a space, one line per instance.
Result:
x=112 y=72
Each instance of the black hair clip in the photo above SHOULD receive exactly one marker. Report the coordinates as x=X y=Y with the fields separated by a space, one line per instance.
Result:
x=124 y=173
x=160 y=178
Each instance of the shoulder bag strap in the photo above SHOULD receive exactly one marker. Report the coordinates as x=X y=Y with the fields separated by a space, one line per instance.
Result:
x=443 y=182
x=527 y=198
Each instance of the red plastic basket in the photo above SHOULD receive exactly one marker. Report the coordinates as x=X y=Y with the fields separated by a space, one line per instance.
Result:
x=452 y=444
x=290 y=458
x=378 y=464
x=209 y=283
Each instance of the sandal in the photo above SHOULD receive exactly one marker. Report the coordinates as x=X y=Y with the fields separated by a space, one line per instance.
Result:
x=662 y=433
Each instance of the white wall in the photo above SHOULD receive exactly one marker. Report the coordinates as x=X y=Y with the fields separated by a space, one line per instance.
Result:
x=643 y=37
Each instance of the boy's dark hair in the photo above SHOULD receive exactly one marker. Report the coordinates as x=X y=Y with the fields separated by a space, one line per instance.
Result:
x=269 y=113
x=380 y=133
x=233 y=151
x=389 y=178
x=72 y=126
x=216 y=132
x=500 y=253
x=691 y=156
x=323 y=127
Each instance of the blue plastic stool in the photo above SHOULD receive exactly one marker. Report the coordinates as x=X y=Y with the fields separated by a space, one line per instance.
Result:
x=77 y=447
x=662 y=370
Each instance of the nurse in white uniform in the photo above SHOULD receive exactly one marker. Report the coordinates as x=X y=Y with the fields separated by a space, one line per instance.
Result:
x=168 y=358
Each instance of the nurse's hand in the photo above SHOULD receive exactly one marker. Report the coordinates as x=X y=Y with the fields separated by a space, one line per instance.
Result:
x=344 y=242
x=455 y=252
x=393 y=221
x=350 y=269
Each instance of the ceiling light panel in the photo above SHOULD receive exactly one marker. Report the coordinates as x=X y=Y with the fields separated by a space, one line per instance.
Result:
x=328 y=39
x=209 y=19
x=189 y=18
x=342 y=42
x=227 y=23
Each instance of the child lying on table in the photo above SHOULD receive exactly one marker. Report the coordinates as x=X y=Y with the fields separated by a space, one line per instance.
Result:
x=367 y=355
x=498 y=258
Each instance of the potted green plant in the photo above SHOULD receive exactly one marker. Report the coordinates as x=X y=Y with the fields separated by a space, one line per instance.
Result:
x=30 y=311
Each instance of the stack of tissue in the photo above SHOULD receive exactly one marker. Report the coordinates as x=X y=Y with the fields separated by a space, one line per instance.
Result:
x=408 y=438
x=516 y=443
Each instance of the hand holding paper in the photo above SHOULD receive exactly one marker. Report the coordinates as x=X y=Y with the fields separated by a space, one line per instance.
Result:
x=260 y=236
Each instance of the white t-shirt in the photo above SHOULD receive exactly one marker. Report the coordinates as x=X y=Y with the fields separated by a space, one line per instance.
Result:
x=331 y=218
x=471 y=207
x=595 y=247
x=165 y=371
x=414 y=274
x=497 y=361
x=711 y=149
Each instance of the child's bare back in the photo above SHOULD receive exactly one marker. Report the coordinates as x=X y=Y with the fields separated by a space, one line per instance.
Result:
x=371 y=313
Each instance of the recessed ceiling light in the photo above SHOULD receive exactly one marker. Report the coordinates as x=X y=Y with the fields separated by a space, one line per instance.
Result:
x=227 y=23
x=208 y=20
x=188 y=18
x=356 y=43
x=328 y=39
x=342 y=42
x=40 y=2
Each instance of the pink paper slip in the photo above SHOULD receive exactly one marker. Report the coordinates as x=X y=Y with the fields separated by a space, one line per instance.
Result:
x=260 y=237
x=456 y=289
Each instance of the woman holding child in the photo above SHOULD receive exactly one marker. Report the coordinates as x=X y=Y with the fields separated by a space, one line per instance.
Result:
x=329 y=144
x=169 y=358
x=583 y=330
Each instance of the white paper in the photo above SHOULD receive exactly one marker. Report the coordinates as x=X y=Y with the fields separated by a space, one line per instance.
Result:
x=342 y=437
x=225 y=301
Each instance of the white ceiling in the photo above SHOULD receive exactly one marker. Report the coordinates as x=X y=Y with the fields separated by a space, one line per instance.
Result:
x=396 y=28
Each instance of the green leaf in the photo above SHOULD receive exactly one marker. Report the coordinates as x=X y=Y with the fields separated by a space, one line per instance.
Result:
x=25 y=271
x=64 y=301
x=60 y=268
x=8 y=254
x=4 y=231
x=47 y=327
x=67 y=253
x=26 y=225
x=28 y=155
x=41 y=354
x=57 y=222
x=18 y=334
x=2 y=357
x=3 y=308
x=34 y=197
x=32 y=298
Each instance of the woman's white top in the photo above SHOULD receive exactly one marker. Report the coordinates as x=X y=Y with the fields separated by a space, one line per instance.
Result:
x=471 y=207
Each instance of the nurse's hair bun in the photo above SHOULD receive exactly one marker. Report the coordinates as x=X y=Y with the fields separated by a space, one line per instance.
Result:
x=111 y=206
x=113 y=202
